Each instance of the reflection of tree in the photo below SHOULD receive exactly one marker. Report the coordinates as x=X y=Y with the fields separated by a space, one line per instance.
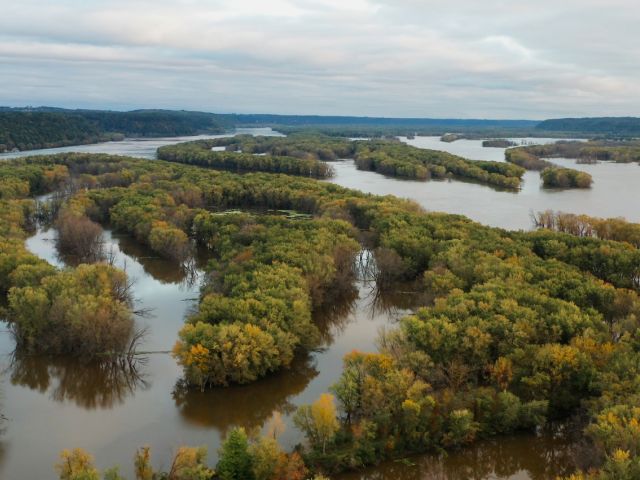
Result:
x=536 y=457
x=165 y=271
x=397 y=302
x=248 y=406
x=333 y=317
x=97 y=384
x=4 y=448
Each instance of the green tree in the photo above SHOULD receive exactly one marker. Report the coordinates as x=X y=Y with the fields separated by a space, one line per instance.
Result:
x=235 y=460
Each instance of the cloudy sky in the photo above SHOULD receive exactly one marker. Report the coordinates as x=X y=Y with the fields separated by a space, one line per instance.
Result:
x=411 y=58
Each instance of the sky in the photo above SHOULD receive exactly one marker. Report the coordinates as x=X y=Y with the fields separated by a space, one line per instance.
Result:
x=393 y=58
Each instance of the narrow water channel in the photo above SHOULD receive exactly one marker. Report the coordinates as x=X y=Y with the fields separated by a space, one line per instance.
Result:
x=110 y=410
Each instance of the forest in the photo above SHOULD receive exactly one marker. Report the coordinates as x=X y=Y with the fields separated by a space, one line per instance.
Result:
x=617 y=229
x=47 y=127
x=587 y=152
x=556 y=177
x=200 y=153
x=30 y=130
x=610 y=126
x=305 y=153
x=552 y=176
x=524 y=327
x=498 y=143
x=398 y=159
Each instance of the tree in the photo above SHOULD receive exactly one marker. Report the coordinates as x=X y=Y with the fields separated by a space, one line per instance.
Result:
x=318 y=420
x=76 y=464
x=189 y=464
x=235 y=460
x=502 y=372
x=265 y=456
x=142 y=464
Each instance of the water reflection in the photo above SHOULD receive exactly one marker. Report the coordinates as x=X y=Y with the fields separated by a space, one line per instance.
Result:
x=249 y=406
x=161 y=269
x=545 y=456
x=99 y=384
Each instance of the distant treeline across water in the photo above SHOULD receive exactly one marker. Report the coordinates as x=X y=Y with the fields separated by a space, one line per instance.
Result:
x=47 y=127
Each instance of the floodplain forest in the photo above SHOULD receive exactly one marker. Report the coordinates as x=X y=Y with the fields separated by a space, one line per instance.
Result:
x=524 y=327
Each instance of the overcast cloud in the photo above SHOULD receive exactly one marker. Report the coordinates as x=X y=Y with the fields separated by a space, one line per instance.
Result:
x=411 y=58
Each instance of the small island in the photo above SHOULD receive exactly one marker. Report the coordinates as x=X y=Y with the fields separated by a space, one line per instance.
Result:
x=498 y=143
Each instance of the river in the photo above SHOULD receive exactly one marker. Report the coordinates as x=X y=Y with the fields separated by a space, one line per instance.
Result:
x=615 y=191
x=144 y=147
x=56 y=403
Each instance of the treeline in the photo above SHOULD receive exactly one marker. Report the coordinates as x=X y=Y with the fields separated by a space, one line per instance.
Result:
x=302 y=154
x=613 y=126
x=552 y=175
x=451 y=137
x=437 y=130
x=556 y=177
x=525 y=326
x=524 y=158
x=346 y=121
x=29 y=130
x=617 y=229
x=313 y=146
x=199 y=153
x=498 y=143
x=398 y=159
x=242 y=456
x=592 y=151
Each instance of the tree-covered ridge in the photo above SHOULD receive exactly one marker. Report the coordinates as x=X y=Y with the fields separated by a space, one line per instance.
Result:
x=29 y=130
x=200 y=153
x=614 y=126
x=524 y=326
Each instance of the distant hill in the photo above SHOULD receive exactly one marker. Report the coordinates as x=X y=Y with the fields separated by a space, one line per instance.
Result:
x=27 y=130
x=31 y=128
x=46 y=127
x=611 y=126
x=383 y=126
x=295 y=120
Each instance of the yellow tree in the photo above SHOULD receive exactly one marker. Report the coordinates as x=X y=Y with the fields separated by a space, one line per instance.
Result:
x=318 y=420
x=76 y=464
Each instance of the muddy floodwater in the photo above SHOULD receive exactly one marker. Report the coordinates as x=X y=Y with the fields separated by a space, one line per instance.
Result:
x=110 y=409
x=615 y=191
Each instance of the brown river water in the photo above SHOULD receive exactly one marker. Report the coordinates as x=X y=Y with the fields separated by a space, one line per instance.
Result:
x=110 y=410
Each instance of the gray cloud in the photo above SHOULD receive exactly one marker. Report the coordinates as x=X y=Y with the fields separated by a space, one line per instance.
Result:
x=462 y=58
